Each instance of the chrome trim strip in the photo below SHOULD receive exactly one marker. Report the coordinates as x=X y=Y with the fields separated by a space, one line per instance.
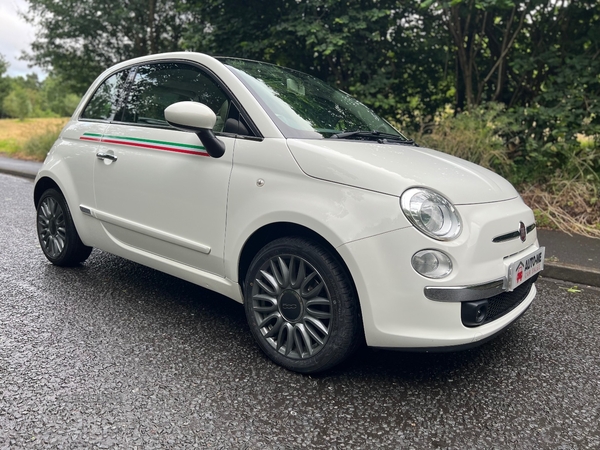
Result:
x=522 y=251
x=465 y=293
x=512 y=235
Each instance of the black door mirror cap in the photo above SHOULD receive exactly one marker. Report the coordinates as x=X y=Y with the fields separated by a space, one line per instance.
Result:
x=214 y=147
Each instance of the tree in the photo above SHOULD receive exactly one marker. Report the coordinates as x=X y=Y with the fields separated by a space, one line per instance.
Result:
x=557 y=97
x=380 y=51
x=78 y=39
x=17 y=103
x=4 y=81
x=483 y=33
x=57 y=98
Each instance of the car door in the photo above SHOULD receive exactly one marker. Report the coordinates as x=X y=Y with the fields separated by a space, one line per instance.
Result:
x=156 y=189
x=74 y=153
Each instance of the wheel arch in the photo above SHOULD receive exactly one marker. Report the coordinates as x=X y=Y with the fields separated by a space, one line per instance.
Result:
x=41 y=186
x=272 y=231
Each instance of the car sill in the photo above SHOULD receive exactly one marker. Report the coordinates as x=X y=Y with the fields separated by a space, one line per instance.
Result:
x=143 y=229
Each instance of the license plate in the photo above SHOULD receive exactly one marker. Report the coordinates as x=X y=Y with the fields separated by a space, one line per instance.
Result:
x=526 y=267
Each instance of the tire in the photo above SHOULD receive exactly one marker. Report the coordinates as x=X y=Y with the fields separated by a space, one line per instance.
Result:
x=56 y=231
x=301 y=306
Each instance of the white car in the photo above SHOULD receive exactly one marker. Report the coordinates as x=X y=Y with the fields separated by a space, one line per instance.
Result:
x=268 y=186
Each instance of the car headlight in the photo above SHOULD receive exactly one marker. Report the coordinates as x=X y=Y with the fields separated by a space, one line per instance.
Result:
x=431 y=213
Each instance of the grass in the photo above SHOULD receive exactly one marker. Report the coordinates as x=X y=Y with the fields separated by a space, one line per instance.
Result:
x=29 y=139
x=9 y=146
x=570 y=206
x=471 y=136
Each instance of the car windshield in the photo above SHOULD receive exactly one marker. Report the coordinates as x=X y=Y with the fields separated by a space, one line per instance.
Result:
x=303 y=106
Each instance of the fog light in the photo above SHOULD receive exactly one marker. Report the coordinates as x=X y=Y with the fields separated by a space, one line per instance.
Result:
x=432 y=263
x=474 y=313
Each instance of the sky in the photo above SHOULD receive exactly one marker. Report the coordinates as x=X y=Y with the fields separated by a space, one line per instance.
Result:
x=15 y=36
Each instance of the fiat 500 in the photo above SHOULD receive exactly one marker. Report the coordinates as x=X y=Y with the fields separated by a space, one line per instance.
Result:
x=274 y=189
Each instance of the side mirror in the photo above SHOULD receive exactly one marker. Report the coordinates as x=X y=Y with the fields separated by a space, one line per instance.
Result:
x=197 y=118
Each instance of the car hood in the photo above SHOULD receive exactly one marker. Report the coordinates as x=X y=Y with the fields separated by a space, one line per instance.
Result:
x=392 y=168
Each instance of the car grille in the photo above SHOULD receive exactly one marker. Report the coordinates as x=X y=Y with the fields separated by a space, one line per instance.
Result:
x=502 y=304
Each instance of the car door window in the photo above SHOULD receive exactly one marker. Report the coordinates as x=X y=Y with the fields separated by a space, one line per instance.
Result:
x=105 y=102
x=157 y=86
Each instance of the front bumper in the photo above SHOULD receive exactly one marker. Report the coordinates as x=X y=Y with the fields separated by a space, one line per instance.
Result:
x=397 y=312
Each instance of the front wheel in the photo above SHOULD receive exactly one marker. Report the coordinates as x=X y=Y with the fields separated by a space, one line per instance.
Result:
x=301 y=305
x=56 y=231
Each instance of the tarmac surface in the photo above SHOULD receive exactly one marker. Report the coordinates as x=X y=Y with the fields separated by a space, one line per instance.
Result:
x=570 y=258
x=112 y=354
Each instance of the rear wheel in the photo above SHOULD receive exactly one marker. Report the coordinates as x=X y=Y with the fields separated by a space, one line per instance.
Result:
x=56 y=231
x=301 y=305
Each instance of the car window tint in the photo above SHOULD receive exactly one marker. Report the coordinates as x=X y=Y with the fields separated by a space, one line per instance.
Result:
x=105 y=101
x=157 y=86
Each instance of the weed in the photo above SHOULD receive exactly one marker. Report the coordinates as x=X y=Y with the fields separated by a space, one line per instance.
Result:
x=471 y=135
x=29 y=139
x=38 y=146
x=570 y=206
x=560 y=181
x=9 y=146
x=543 y=219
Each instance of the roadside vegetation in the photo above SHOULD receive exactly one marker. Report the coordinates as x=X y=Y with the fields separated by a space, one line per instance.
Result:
x=32 y=113
x=561 y=183
x=512 y=85
x=30 y=138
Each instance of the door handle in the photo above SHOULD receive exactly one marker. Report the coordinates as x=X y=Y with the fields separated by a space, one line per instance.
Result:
x=109 y=156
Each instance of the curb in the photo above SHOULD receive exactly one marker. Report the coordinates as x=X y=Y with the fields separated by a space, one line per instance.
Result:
x=19 y=168
x=571 y=273
x=18 y=173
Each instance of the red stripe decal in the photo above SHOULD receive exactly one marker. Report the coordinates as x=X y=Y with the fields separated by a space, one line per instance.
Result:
x=155 y=147
x=142 y=145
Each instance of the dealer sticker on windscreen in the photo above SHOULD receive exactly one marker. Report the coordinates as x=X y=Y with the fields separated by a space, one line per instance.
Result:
x=522 y=270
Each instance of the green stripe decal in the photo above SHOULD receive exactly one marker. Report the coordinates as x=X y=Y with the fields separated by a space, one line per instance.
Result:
x=133 y=140
x=149 y=141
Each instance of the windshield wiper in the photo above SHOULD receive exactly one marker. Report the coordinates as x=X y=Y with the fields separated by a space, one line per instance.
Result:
x=376 y=135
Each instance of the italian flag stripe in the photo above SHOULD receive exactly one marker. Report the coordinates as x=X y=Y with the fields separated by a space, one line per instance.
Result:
x=176 y=147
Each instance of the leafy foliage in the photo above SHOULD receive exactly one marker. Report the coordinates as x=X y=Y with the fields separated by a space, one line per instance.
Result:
x=4 y=82
x=474 y=135
x=17 y=103
x=559 y=118
x=535 y=61
x=382 y=51
x=28 y=97
x=78 y=39
x=38 y=145
x=58 y=98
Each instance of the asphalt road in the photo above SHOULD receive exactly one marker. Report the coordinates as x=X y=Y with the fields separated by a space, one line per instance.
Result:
x=115 y=355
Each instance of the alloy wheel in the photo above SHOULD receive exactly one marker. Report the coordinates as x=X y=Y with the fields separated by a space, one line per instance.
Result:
x=52 y=227
x=292 y=306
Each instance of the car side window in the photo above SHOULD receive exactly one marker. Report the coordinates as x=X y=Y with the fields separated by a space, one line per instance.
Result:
x=157 y=86
x=104 y=103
